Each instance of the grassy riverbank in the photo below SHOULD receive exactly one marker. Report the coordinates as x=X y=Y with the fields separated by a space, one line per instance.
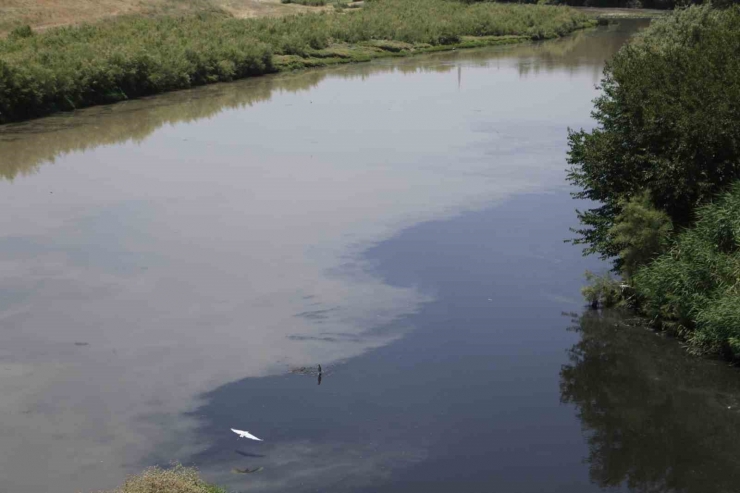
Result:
x=74 y=67
x=664 y=164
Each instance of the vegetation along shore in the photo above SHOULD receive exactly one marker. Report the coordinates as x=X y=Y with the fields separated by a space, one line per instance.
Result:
x=73 y=67
x=663 y=165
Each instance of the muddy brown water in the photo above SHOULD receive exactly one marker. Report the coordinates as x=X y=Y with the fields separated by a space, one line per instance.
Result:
x=167 y=262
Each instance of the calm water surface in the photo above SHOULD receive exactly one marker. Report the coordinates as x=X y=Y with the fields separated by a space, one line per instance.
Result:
x=167 y=265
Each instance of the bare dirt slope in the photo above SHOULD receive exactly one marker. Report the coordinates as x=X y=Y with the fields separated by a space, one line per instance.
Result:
x=41 y=14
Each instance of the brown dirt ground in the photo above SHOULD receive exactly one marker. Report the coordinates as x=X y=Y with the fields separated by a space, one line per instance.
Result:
x=42 y=14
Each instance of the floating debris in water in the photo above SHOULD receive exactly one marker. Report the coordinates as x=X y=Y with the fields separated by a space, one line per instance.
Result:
x=311 y=371
x=246 y=471
x=248 y=454
x=82 y=343
x=246 y=434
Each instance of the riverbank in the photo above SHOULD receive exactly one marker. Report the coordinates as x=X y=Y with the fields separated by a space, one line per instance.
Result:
x=75 y=67
x=28 y=145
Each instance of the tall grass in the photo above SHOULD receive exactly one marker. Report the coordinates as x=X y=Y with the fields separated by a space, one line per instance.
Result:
x=73 y=67
x=695 y=288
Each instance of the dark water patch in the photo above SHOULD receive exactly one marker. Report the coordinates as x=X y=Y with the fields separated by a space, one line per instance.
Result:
x=655 y=417
x=495 y=388
x=468 y=399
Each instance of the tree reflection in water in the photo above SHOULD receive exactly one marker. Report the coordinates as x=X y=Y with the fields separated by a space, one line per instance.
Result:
x=656 y=418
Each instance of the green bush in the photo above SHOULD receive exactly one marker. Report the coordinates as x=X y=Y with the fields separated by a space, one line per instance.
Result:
x=72 y=67
x=602 y=291
x=668 y=123
x=694 y=288
x=718 y=327
x=21 y=32
x=641 y=232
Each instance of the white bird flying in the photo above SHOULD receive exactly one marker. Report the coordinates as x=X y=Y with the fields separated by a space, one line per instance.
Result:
x=246 y=434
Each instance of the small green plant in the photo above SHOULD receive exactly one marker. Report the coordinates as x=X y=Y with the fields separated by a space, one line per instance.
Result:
x=602 y=290
x=20 y=32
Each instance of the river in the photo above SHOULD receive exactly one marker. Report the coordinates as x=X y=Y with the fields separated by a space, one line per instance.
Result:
x=178 y=266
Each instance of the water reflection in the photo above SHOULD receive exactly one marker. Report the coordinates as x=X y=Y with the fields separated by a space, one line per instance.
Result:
x=656 y=419
x=250 y=455
x=26 y=146
x=572 y=52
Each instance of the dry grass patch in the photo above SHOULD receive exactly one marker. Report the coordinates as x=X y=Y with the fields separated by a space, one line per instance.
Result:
x=176 y=480
x=43 y=14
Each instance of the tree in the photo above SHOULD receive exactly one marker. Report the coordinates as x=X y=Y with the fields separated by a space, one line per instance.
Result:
x=668 y=124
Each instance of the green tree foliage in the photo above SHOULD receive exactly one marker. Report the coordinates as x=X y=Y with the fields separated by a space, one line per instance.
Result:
x=641 y=232
x=668 y=123
x=695 y=287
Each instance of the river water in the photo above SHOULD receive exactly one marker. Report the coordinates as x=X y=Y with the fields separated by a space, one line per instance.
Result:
x=179 y=266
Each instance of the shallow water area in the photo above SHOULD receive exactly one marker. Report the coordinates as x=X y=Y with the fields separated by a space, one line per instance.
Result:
x=167 y=262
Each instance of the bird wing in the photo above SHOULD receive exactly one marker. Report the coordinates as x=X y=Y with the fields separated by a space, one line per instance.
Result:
x=246 y=434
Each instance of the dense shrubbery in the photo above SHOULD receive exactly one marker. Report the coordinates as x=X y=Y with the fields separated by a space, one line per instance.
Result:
x=668 y=144
x=70 y=68
x=695 y=288
x=73 y=67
